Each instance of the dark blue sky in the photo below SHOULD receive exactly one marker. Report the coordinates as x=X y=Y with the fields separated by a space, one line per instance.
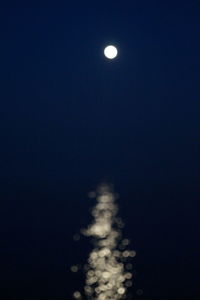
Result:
x=70 y=119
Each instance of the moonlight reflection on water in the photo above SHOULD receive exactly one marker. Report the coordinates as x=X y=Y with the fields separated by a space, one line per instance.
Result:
x=107 y=271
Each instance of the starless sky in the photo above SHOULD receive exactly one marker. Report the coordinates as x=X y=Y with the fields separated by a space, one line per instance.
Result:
x=70 y=119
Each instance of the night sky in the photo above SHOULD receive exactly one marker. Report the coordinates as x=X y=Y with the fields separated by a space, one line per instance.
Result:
x=71 y=119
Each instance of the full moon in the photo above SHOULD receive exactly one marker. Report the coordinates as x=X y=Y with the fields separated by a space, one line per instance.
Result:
x=110 y=52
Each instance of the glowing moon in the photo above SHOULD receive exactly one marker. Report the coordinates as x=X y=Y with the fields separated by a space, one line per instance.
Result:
x=110 y=52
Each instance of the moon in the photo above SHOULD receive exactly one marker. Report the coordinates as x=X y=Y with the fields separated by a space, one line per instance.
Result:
x=110 y=52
